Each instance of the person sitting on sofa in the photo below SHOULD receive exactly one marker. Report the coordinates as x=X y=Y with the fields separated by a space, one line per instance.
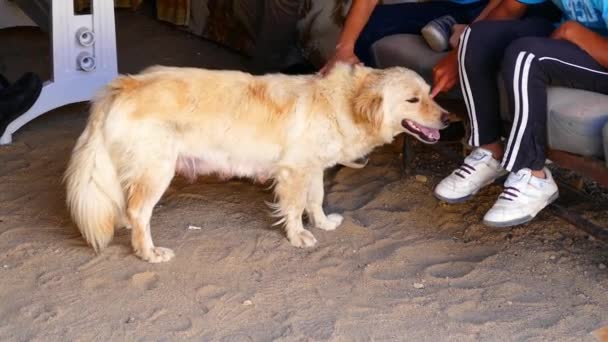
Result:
x=17 y=98
x=531 y=54
x=368 y=22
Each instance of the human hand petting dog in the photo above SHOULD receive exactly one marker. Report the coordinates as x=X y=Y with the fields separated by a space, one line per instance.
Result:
x=344 y=54
x=445 y=74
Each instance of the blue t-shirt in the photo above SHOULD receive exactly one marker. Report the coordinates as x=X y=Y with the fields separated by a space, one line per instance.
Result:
x=592 y=14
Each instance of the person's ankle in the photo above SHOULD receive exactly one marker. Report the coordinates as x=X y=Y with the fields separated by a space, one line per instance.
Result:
x=497 y=156
x=496 y=149
x=539 y=174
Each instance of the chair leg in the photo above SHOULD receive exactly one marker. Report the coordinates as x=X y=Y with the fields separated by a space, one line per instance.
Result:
x=407 y=159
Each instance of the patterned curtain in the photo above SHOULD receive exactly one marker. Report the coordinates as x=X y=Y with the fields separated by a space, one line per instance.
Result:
x=174 y=11
x=80 y=5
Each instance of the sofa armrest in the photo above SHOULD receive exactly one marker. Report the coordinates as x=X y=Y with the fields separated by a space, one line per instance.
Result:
x=575 y=121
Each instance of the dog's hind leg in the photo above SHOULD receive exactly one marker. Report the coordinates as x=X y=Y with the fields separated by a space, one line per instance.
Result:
x=291 y=191
x=143 y=196
x=314 y=204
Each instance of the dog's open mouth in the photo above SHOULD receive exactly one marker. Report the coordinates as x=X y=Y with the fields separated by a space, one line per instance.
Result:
x=426 y=134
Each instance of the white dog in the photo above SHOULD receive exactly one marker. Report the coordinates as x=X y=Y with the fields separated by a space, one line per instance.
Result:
x=145 y=128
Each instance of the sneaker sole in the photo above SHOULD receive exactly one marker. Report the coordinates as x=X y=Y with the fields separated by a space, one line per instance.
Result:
x=508 y=224
x=454 y=200
x=467 y=197
x=520 y=220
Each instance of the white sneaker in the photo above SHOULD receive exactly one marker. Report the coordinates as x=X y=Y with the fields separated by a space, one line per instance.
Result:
x=523 y=197
x=479 y=169
x=438 y=31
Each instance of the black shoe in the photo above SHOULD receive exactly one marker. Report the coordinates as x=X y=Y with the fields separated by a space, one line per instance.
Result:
x=18 y=98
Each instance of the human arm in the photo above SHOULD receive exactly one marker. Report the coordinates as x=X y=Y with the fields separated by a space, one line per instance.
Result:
x=356 y=19
x=445 y=72
x=459 y=28
x=591 y=42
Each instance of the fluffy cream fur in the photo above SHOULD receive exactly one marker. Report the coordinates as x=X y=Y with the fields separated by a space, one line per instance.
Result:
x=145 y=128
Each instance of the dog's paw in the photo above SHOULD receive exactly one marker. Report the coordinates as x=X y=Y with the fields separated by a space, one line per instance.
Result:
x=157 y=254
x=332 y=222
x=302 y=238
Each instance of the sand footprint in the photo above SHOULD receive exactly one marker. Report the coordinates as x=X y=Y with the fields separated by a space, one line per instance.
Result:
x=283 y=333
x=474 y=312
x=40 y=313
x=482 y=311
x=176 y=322
x=210 y=292
x=353 y=200
x=208 y=296
x=321 y=328
x=50 y=279
x=413 y=258
x=95 y=283
x=451 y=269
x=236 y=338
x=460 y=265
x=156 y=314
x=145 y=280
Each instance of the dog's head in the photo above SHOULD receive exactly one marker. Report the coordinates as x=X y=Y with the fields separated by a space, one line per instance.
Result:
x=397 y=100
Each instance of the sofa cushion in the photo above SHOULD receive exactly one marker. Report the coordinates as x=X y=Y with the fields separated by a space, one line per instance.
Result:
x=575 y=117
x=406 y=50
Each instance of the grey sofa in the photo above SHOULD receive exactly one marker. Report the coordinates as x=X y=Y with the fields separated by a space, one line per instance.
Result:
x=577 y=120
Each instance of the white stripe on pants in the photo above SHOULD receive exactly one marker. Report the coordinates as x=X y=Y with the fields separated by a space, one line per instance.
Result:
x=466 y=88
x=521 y=110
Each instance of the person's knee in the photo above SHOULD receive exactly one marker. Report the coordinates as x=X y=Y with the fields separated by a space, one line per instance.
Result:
x=518 y=55
x=474 y=41
x=526 y=44
x=479 y=34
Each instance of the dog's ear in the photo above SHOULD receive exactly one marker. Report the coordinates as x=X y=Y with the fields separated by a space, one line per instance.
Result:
x=367 y=108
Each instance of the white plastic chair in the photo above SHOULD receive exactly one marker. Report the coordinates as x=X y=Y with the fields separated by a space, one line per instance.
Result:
x=83 y=59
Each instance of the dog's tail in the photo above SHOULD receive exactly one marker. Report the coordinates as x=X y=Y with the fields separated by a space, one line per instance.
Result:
x=95 y=197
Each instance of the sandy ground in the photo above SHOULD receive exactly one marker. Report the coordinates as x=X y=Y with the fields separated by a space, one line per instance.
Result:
x=402 y=266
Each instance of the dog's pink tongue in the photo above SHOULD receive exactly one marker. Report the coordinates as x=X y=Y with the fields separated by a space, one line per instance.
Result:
x=432 y=133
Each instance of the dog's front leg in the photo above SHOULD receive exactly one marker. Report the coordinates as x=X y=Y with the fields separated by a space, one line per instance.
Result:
x=314 y=204
x=291 y=191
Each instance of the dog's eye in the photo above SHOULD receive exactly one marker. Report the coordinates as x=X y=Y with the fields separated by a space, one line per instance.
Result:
x=413 y=100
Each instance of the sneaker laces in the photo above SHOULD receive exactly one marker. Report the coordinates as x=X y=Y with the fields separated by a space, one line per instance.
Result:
x=468 y=167
x=514 y=183
x=509 y=193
